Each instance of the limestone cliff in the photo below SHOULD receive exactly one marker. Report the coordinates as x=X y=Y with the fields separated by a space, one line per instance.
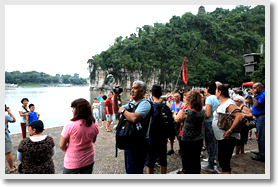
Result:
x=98 y=76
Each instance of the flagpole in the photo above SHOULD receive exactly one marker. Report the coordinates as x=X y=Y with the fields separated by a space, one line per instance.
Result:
x=178 y=79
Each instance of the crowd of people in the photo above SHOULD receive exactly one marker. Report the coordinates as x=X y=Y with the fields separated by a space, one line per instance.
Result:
x=195 y=118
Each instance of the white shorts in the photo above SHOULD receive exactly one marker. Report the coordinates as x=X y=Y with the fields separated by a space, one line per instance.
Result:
x=109 y=117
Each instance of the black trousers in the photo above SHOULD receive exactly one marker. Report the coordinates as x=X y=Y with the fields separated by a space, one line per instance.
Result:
x=191 y=152
x=225 y=153
x=83 y=170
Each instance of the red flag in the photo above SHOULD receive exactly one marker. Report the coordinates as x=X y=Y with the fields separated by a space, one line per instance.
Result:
x=184 y=72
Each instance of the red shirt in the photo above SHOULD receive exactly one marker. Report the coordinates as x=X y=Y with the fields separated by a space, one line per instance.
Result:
x=108 y=104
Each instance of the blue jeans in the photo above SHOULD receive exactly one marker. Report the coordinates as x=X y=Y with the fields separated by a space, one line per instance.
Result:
x=211 y=144
x=96 y=115
x=260 y=124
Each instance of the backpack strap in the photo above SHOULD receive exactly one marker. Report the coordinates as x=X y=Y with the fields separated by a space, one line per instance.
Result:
x=25 y=109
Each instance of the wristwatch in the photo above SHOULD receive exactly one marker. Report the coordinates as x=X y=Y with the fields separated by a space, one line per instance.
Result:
x=122 y=111
x=230 y=130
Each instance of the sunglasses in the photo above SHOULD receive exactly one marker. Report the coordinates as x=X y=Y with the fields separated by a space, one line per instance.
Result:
x=237 y=101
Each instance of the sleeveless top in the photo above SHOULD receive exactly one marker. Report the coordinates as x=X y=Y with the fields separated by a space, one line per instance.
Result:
x=218 y=133
x=174 y=107
x=32 y=117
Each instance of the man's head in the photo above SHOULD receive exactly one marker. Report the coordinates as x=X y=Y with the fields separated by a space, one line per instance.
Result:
x=32 y=107
x=100 y=94
x=177 y=97
x=156 y=91
x=110 y=95
x=138 y=90
x=258 y=87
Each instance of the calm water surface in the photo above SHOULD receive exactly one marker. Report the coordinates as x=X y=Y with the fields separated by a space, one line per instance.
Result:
x=53 y=103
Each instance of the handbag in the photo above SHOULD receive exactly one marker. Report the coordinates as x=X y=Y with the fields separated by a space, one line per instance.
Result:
x=225 y=121
x=250 y=124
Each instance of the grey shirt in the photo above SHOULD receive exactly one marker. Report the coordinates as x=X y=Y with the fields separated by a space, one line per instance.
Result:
x=8 y=119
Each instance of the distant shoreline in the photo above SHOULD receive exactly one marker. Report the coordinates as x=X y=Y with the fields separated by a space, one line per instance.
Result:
x=42 y=85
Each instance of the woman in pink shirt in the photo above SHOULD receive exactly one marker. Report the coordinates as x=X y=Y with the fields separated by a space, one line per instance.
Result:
x=77 y=139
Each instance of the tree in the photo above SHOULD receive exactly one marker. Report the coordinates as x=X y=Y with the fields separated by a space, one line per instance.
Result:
x=214 y=44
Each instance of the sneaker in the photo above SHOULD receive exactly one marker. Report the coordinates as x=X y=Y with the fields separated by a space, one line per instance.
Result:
x=254 y=152
x=218 y=169
x=258 y=159
x=157 y=164
x=170 y=152
x=207 y=167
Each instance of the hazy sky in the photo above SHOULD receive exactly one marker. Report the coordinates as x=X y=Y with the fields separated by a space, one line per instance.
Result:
x=59 y=39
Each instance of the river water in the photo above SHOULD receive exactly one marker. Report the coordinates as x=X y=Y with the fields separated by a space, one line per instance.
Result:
x=53 y=103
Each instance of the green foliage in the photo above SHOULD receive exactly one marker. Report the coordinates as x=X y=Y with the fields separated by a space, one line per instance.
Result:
x=259 y=74
x=17 y=77
x=214 y=44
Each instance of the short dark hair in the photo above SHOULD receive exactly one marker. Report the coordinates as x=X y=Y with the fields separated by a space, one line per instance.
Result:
x=38 y=129
x=156 y=90
x=224 y=90
x=104 y=97
x=211 y=86
x=83 y=111
x=31 y=105
x=24 y=100
x=240 y=92
x=95 y=99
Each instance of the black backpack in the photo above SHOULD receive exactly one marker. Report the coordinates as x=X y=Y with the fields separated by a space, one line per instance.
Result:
x=131 y=135
x=162 y=122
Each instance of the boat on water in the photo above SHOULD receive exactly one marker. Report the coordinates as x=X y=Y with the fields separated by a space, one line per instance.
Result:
x=64 y=85
x=11 y=85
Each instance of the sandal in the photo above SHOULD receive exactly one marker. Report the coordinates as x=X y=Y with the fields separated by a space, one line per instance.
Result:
x=180 y=172
x=9 y=172
x=109 y=130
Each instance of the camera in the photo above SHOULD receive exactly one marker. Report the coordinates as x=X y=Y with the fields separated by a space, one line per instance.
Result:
x=6 y=108
x=118 y=90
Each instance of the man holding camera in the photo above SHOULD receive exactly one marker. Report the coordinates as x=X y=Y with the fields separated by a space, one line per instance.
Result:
x=134 y=158
x=258 y=110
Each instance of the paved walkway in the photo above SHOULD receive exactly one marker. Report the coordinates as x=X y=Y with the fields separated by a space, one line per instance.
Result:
x=107 y=163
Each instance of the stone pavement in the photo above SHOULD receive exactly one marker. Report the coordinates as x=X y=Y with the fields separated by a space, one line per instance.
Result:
x=107 y=163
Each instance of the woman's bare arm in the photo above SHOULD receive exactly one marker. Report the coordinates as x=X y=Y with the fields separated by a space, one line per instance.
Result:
x=179 y=118
x=237 y=121
x=64 y=143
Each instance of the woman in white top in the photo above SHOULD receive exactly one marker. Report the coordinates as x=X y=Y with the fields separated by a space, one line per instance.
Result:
x=23 y=112
x=226 y=139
